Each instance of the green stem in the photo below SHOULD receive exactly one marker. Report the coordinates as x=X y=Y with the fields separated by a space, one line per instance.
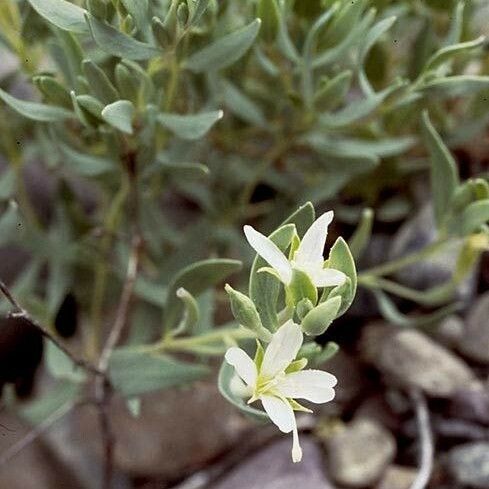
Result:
x=102 y=268
x=394 y=265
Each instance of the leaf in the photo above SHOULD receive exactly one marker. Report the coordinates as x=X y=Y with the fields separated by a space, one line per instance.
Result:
x=176 y=169
x=361 y=237
x=242 y=106
x=60 y=365
x=370 y=39
x=139 y=10
x=447 y=53
x=189 y=126
x=85 y=164
x=225 y=51
x=62 y=14
x=340 y=258
x=226 y=374
x=134 y=372
x=11 y=224
x=390 y=312
x=113 y=42
x=99 y=82
x=332 y=92
x=474 y=216
x=444 y=174
x=303 y=218
x=453 y=86
x=196 y=278
x=263 y=287
x=34 y=110
x=119 y=115
x=199 y=10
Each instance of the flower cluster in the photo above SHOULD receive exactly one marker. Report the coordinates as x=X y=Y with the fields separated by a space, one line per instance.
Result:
x=277 y=376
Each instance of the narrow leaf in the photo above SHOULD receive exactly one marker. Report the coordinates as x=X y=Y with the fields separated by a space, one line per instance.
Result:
x=62 y=14
x=191 y=126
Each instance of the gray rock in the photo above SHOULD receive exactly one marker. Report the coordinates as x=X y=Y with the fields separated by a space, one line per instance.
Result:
x=397 y=477
x=359 y=455
x=450 y=331
x=414 y=235
x=272 y=468
x=411 y=359
x=475 y=341
x=469 y=464
x=471 y=403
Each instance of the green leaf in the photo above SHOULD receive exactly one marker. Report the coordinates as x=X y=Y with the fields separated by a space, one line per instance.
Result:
x=139 y=10
x=444 y=174
x=370 y=39
x=120 y=115
x=226 y=374
x=340 y=258
x=196 y=278
x=362 y=234
x=113 y=42
x=191 y=313
x=11 y=224
x=85 y=164
x=34 y=110
x=454 y=86
x=302 y=218
x=332 y=92
x=189 y=126
x=62 y=14
x=300 y=287
x=269 y=13
x=263 y=287
x=225 y=51
x=447 y=53
x=329 y=351
x=318 y=320
x=134 y=372
x=242 y=106
x=474 y=216
x=99 y=82
x=199 y=10
x=176 y=169
x=60 y=365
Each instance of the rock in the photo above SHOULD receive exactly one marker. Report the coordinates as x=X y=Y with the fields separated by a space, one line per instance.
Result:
x=412 y=359
x=471 y=403
x=358 y=455
x=178 y=431
x=414 y=235
x=272 y=468
x=475 y=341
x=450 y=331
x=468 y=464
x=397 y=477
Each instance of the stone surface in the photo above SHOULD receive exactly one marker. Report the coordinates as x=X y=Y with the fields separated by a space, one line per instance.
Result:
x=359 y=454
x=177 y=432
x=272 y=468
x=471 y=403
x=475 y=341
x=469 y=464
x=412 y=359
x=397 y=477
x=414 y=235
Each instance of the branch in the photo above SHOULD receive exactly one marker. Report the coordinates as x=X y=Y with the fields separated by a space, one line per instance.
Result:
x=426 y=440
x=103 y=389
x=20 y=313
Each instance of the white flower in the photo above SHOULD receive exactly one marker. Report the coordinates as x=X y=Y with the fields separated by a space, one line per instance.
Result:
x=272 y=380
x=308 y=257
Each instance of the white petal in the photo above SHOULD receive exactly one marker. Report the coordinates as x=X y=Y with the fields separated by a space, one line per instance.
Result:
x=327 y=277
x=312 y=244
x=270 y=252
x=312 y=385
x=239 y=388
x=282 y=350
x=245 y=367
x=280 y=412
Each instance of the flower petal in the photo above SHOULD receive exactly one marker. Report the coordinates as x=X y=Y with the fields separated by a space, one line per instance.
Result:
x=270 y=252
x=312 y=385
x=243 y=364
x=327 y=277
x=282 y=350
x=312 y=244
x=280 y=412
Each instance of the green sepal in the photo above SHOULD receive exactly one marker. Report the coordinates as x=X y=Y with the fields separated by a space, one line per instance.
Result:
x=319 y=319
x=299 y=288
x=298 y=407
x=296 y=366
x=303 y=307
x=259 y=354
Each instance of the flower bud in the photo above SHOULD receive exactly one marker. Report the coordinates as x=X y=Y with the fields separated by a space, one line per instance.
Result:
x=245 y=312
x=318 y=320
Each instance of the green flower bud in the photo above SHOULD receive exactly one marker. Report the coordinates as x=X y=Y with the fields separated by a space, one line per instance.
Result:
x=245 y=312
x=318 y=320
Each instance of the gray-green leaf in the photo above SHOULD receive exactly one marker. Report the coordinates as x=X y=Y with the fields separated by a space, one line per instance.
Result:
x=119 y=115
x=189 y=126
